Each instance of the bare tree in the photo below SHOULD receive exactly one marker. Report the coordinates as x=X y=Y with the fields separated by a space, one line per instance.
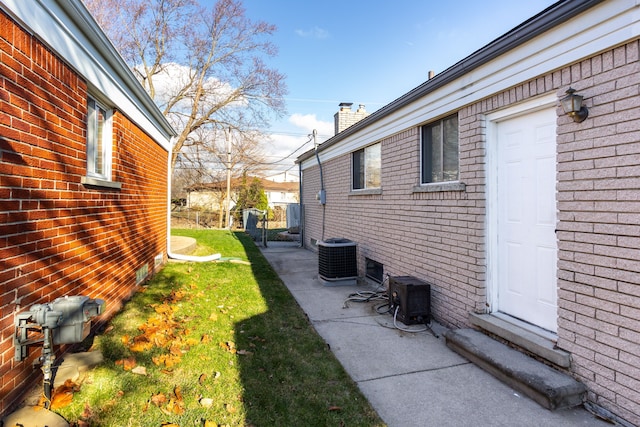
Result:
x=204 y=67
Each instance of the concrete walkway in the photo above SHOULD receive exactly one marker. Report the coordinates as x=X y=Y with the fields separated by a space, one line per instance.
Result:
x=411 y=379
x=32 y=415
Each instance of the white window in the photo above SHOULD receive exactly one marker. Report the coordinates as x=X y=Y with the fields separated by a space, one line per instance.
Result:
x=440 y=151
x=98 y=141
x=366 y=165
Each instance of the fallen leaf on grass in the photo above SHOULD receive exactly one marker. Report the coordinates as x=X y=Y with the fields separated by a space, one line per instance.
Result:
x=230 y=408
x=178 y=393
x=61 y=400
x=127 y=364
x=164 y=308
x=173 y=407
x=230 y=346
x=140 y=370
x=202 y=378
x=167 y=360
x=175 y=296
x=141 y=343
x=159 y=399
x=206 y=402
x=63 y=395
x=244 y=352
x=175 y=350
x=335 y=408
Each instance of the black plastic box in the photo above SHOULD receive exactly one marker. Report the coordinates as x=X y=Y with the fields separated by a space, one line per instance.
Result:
x=412 y=299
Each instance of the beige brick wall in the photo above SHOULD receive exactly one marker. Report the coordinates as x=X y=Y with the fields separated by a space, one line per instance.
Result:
x=599 y=203
x=440 y=237
x=345 y=117
x=435 y=236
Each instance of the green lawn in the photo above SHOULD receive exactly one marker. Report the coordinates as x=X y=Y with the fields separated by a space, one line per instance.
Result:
x=209 y=344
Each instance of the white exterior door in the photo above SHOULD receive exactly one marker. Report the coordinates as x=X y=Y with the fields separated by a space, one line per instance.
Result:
x=524 y=214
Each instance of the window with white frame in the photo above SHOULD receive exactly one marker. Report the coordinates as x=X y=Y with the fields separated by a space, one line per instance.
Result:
x=366 y=166
x=98 y=140
x=439 y=148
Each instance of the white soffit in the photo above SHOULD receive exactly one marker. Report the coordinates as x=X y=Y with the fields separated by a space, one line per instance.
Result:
x=606 y=25
x=47 y=20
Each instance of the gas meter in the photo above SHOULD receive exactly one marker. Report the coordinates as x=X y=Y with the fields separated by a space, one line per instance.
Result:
x=66 y=320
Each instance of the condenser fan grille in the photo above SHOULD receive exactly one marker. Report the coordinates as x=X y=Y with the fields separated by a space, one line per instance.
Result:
x=337 y=259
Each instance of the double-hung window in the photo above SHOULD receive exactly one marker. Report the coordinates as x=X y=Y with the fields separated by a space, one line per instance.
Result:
x=440 y=151
x=366 y=166
x=98 y=140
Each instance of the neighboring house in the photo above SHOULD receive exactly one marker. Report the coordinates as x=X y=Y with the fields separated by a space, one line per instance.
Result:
x=477 y=182
x=83 y=172
x=212 y=196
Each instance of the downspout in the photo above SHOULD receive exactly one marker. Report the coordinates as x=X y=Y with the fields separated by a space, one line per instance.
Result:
x=322 y=194
x=301 y=219
x=170 y=254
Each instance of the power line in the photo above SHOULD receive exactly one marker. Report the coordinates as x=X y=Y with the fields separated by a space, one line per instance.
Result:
x=327 y=101
x=280 y=173
x=289 y=133
x=294 y=152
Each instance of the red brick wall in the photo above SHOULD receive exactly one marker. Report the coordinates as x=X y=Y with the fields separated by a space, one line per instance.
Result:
x=57 y=236
x=440 y=236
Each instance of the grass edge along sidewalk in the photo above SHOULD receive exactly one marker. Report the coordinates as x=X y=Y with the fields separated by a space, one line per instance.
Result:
x=214 y=344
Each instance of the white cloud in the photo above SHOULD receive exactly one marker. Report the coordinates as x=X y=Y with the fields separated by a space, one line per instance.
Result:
x=309 y=122
x=315 y=32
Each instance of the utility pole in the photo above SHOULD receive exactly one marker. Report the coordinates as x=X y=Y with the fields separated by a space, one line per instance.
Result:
x=228 y=136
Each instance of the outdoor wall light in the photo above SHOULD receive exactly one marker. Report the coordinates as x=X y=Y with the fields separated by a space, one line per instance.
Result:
x=572 y=106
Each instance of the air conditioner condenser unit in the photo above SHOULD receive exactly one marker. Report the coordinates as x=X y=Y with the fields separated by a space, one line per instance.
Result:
x=337 y=262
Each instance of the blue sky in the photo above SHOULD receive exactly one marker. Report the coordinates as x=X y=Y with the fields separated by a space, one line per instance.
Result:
x=369 y=52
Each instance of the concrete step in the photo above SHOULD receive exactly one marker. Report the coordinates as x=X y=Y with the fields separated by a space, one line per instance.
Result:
x=550 y=388
x=183 y=245
x=510 y=331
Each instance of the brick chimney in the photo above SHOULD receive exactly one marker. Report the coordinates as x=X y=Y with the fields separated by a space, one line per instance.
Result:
x=345 y=117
